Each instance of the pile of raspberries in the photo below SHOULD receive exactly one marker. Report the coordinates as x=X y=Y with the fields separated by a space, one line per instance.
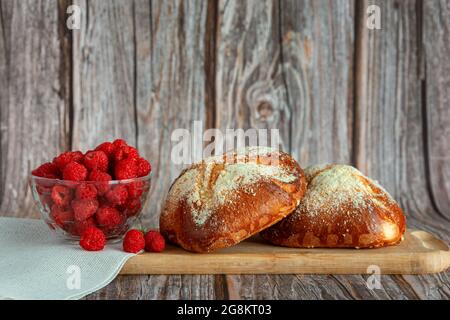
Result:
x=85 y=199
x=108 y=161
x=135 y=241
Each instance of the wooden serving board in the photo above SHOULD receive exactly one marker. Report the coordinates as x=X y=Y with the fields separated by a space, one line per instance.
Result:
x=419 y=253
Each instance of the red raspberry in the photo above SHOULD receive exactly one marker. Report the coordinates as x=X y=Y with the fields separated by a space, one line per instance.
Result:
x=96 y=160
x=84 y=209
x=75 y=171
x=100 y=177
x=132 y=207
x=144 y=167
x=93 y=239
x=67 y=157
x=44 y=187
x=86 y=191
x=108 y=217
x=79 y=227
x=46 y=199
x=117 y=196
x=134 y=241
x=61 y=195
x=126 y=169
x=154 y=241
x=135 y=189
x=106 y=147
x=47 y=170
x=61 y=215
x=125 y=152
x=118 y=143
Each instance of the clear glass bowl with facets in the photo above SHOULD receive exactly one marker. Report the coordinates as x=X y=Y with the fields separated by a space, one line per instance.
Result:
x=68 y=211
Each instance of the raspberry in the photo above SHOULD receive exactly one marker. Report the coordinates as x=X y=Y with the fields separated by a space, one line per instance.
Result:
x=154 y=241
x=61 y=195
x=132 y=207
x=79 y=227
x=144 y=167
x=118 y=143
x=108 y=217
x=125 y=152
x=44 y=188
x=102 y=177
x=117 y=196
x=75 y=171
x=86 y=191
x=126 y=169
x=135 y=189
x=134 y=241
x=47 y=170
x=61 y=215
x=93 y=239
x=84 y=209
x=99 y=176
x=67 y=157
x=46 y=199
x=106 y=147
x=96 y=160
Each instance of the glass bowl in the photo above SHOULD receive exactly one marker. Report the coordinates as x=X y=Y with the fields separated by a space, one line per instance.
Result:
x=69 y=207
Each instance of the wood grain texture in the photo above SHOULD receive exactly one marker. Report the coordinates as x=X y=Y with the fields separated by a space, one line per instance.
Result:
x=435 y=112
x=436 y=59
x=317 y=287
x=171 y=287
x=104 y=74
x=318 y=52
x=3 y=99
x=33 y=97
x=389 y=127
x=171 y=85
x=250 y=91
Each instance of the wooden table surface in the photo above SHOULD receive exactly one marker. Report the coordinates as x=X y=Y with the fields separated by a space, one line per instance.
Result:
x=337 y=91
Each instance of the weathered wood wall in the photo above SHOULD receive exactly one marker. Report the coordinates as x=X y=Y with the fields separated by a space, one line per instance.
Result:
x=378 y=99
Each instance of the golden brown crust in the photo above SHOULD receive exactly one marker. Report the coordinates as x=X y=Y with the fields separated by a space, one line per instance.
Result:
x=223 y=200
x=341 y=208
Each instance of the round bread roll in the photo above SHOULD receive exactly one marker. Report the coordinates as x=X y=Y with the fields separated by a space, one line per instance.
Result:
x=225 y=199
x=341 y=208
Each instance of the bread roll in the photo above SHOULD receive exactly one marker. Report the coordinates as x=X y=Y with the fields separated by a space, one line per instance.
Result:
x=225 y=199
x=341 y=208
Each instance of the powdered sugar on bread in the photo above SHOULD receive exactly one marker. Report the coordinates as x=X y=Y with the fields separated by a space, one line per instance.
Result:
x=331 y=186
x=214 y=181
x=341 y=208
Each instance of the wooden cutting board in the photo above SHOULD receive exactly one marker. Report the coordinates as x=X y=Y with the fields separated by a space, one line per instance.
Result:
x=419 y=253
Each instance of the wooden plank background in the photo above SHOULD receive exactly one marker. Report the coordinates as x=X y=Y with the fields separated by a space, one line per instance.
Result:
x=338 y=92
